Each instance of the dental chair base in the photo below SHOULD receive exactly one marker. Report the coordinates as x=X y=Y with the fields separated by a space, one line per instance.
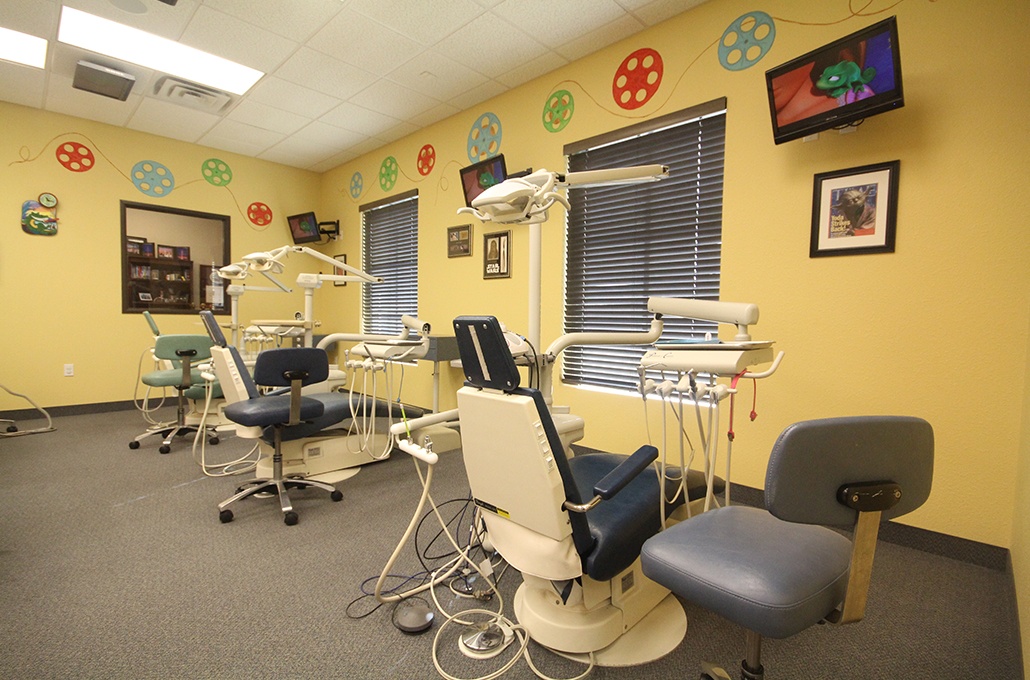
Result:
x=627 y=621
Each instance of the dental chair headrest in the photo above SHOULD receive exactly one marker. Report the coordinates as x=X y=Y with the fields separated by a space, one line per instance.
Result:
x=485 y=357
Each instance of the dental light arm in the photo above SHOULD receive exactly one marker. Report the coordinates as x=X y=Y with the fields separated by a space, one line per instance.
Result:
x=739 y=314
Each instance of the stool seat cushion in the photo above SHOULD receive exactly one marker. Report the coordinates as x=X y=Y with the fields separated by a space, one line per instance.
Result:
x=773 y=577
x=170 y=378
x=271 y=410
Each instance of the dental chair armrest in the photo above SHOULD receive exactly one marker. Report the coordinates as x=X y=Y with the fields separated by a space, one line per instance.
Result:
x=616 y=480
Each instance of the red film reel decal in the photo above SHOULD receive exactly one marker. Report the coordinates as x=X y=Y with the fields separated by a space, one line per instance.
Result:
x=637 y=78
x=259 y=213
x=426 y=159
x=75 y=157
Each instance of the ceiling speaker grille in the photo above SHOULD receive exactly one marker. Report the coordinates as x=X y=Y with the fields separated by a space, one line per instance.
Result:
x=102 y=80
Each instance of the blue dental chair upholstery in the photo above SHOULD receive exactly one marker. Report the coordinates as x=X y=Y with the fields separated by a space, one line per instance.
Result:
x=775 y=572
x=574 y=525
x=185 y=352
x=283 y=417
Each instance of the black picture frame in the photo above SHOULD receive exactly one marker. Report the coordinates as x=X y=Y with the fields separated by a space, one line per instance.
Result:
x=855 y=210
x=459 y=241
x=497 y=255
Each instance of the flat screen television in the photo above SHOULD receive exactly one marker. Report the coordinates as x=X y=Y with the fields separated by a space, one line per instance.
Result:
x=304 y=228
x=478 y=177
x=839 y=84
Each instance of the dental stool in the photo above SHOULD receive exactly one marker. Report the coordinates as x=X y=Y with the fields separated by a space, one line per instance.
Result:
x=185 y=352
x=572 y=526
x=774 y=572
x=284 y=417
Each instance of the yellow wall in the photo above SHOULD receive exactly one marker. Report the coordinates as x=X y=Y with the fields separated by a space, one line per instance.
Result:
x=938 y=329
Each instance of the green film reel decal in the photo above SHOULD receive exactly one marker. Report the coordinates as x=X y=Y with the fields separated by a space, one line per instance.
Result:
x=216 y=172
x=484 y=138
x=388 y=172
x=746 y=41
x=558 y=110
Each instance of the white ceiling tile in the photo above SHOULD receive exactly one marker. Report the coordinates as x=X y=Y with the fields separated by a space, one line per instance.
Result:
x=329 y=136
x=234 y=39
x=425 y=22
x=559 y=17
x=35 y=17
x=159 y=19
x=491 y=49
x=241 y=138
x=437 y=76
x=334 y=161
x=288 y=96
x=621 y=28
x=435 y=115
x=171 y=120
x=399 y=131
x=295 y=152
x=657 y=11
x=359 y=119
x=480 y=93
x=367 y=44
x=297 y=21
x=532 y=69
x=324 y=74
x=392 y=99
x=267 y=117
x=23 y=85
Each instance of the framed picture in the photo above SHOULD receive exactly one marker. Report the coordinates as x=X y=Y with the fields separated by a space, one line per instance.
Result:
x=340 y=272
x=132 y=247
x=166 y=252
x=459 y=241
x=182 y=253
x=497 y=255
x=854 y=210
x=145 y=297
x=146 y=249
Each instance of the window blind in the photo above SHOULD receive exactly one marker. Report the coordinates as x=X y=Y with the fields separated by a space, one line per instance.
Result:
x=389 y=248
x=626 y=243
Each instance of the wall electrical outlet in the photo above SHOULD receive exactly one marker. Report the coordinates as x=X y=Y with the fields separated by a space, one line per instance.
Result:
x=69 y=370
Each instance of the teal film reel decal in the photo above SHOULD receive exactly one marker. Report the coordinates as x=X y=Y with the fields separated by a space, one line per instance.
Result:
x=357 y=183
x=388 y=172
x=216 y=172
x=484 y=138
x=746 y=41
x=152 y=178
x=558 y=110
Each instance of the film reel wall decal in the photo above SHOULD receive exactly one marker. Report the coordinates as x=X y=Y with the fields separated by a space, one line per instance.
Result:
x=484 y=140
x=388 y=173
x=638 y=78
x=558 y=110
x=216 y=172
x=357 y=184
x=746 y=41
x=75 y=157
x=426 y=160
x=152 y=178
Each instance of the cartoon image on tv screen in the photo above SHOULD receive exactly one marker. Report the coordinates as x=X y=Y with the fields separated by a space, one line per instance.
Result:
x=848 y=74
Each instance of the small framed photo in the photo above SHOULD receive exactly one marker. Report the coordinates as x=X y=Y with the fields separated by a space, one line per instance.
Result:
x=166 y=252
x=340 y=272
x=133 y=247
x=182 y=253
x=459 y=241
x=497 y=255
x=146 y=249
x=145 y=297
x=854 y=211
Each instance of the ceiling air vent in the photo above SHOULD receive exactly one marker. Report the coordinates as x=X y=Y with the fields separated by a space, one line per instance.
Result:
x=189 y=94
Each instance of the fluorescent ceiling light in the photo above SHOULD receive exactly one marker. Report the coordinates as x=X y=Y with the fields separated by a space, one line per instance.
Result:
x=161 y=54
x=22 y=48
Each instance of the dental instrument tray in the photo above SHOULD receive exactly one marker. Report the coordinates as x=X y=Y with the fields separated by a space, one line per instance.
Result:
x=721 y=358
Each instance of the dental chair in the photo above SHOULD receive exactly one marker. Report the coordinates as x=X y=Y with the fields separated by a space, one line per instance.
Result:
x=184 y=352
x=572 y=526
x=279 y=417
x=775 y=572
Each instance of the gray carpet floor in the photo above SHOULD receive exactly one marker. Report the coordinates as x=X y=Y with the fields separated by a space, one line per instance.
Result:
x=113 y=564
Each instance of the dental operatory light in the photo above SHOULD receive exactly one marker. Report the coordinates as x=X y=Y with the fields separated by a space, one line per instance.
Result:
x=22 y=48
x=151 y=51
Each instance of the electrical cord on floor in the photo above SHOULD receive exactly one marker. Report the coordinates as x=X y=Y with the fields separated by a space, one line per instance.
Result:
x=144 y=406
x=244 y=463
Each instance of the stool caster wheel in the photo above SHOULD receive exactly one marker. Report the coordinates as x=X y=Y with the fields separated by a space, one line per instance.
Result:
x=336 y=496
x=134 y=445
x=212 y=441
x=12 y=428
x=225 y=516
x=290 y=518
x=165 y=448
